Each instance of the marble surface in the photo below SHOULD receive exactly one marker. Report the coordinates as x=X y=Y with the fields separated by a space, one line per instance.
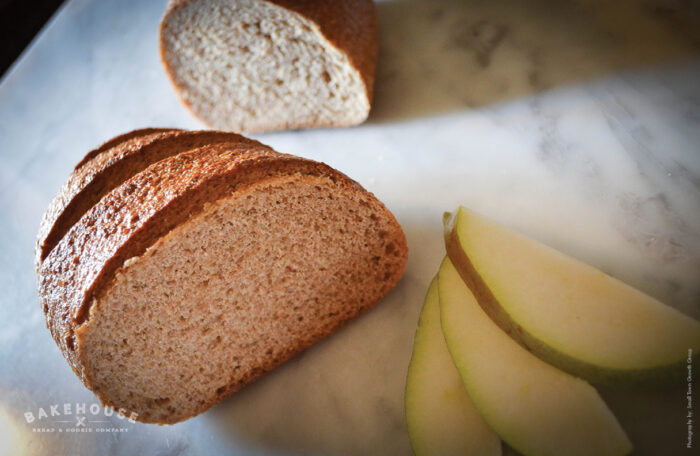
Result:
x=577 y=122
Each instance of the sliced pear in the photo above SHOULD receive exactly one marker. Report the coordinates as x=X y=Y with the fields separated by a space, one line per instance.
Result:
x=441 y=418
x=566 y=312
x=535 y=407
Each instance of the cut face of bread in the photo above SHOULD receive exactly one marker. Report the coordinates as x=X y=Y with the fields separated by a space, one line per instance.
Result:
x=255 y=65
x=234 y=292
x=209 y=268
x=107 y=167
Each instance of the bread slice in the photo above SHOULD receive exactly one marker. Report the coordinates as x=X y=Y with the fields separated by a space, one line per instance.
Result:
x=262 y=65
x=209 y=268
x=106 y=168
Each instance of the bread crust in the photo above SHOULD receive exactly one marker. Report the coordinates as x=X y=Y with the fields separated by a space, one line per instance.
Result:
x=133 y=216
x=120 y=139
x=108 y=166
x=348 y=25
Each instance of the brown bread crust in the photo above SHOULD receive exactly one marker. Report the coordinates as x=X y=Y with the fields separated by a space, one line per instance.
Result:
x=349 y=25
x=136 y=214
x=108 y=167
x=120 y=139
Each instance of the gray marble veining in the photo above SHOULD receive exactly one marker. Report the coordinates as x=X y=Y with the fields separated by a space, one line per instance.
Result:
x=577 y=122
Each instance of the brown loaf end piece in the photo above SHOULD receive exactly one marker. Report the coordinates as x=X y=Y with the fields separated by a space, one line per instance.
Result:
x=108 y=167
x=209 y=268
x=263 y=65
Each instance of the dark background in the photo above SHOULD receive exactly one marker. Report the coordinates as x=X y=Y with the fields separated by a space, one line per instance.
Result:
x=20 y=21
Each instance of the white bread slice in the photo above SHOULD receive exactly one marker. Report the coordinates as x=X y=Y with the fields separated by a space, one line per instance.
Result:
x=209 y=268
x=262 y=65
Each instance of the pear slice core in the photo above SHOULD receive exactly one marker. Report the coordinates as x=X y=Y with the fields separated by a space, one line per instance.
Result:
x=440 y=416
x=567 y=312
x=536 y=408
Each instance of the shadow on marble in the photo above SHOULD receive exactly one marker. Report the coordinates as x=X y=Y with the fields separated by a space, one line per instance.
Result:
x=655 y=421
x=343 y=396
x=440 y=56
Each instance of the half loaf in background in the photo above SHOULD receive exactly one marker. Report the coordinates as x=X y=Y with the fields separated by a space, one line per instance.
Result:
x=261 y=65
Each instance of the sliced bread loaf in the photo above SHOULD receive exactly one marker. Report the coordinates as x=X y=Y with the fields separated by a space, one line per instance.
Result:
x=261 y=65
x=106 y=168
x=210 y=267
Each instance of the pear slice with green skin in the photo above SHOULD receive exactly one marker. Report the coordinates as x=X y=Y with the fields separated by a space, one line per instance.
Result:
x=536 y=408
x=441 y=419
x=566 y=312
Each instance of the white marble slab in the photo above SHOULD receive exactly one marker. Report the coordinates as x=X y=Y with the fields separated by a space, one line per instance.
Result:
x=575 y=122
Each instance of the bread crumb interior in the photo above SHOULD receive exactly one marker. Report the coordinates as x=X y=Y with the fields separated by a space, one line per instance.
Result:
x=235 y=291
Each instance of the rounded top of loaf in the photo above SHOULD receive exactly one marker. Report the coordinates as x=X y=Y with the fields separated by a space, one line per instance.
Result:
x=110 y=165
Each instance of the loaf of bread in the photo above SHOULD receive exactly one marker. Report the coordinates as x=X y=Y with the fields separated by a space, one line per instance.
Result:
x=198 y=267
x=262 y=65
